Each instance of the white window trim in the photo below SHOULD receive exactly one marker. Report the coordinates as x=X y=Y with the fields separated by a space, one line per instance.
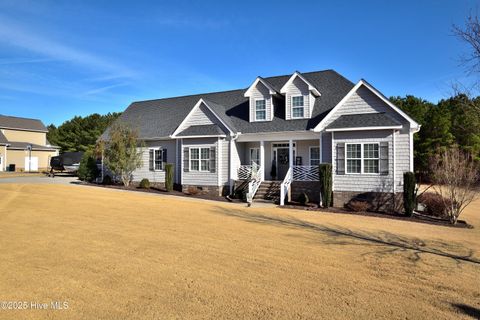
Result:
x=255 y=110
x=199 y=158
x=362 y=158
x=310 y=155
x=155 y=149
x=291 y=106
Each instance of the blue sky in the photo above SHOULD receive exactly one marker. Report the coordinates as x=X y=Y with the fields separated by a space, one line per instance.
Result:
x=64 y=58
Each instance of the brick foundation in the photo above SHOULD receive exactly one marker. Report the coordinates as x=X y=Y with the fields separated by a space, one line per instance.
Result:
x=210 y=190
x=380 y=201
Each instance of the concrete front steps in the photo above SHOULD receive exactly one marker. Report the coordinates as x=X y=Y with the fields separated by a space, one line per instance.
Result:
x=269 y=191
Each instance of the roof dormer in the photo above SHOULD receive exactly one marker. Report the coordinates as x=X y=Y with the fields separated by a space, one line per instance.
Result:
x=300 y=97
x=260 y=95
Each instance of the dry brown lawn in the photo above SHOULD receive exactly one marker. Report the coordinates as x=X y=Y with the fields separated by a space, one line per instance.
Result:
x=125 y=255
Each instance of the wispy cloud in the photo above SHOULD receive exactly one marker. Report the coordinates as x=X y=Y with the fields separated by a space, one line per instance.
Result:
x=103 y=89
x=11 y=61
x=12 y=33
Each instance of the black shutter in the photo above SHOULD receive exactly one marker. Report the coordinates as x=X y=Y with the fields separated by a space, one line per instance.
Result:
x=150 y=159
x=186 y=159
x=212 y=159
x=341 y=158
x=164 y=158
x=384 y=158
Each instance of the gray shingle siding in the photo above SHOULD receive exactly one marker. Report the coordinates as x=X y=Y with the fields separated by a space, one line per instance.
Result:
x=364 y=182
x=201 y=178
x=144 y=171
x=261 y=92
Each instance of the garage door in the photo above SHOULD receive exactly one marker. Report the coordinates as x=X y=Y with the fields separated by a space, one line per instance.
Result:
x=31 y=164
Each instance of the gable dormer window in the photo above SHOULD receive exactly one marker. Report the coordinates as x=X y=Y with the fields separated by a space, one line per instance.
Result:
x=298 y=107
x=260 y=110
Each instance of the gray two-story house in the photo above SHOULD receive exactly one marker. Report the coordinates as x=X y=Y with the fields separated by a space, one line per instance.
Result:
x=275 y=133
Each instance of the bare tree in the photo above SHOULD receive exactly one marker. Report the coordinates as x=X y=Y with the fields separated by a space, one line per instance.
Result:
x=470 y=34
x=455 y=175
x=122 y=152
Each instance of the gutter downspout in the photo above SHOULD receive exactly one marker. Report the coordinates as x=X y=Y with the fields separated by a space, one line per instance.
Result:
x=394 y=169
x=232 y=141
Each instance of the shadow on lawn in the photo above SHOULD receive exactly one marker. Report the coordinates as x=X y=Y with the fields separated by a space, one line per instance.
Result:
x=343 y=236
x=468 y=310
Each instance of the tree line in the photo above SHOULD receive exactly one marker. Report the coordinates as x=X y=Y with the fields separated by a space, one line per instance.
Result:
x=450 y=122
x=80 y=133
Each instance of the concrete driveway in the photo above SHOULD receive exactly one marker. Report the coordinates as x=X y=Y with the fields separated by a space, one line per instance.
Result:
x=60 y=179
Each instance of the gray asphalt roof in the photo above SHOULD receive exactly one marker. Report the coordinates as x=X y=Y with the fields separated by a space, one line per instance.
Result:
x=159 y=118
x=3 y=139
x=363 y=120
x=23 y=146
x=21 y=123
x=203 y=130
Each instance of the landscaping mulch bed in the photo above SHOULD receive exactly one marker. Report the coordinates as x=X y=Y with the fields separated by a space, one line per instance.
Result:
x=157 y=190
x=396 y=216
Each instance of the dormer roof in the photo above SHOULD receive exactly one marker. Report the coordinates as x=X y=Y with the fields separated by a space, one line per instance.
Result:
x=296 y=74
x=270 y=88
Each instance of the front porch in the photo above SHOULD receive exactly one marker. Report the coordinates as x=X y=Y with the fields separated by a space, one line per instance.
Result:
x=284 y=162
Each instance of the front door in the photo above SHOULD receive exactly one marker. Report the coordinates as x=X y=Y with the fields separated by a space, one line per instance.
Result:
x=282 y=163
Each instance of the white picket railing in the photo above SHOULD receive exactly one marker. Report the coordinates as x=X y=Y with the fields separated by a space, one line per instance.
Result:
x=305 y=173
x=285 y=186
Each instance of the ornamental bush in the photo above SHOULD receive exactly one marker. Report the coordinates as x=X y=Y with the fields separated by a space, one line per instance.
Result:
x=325 y=175
x=144 y=184
x=169 y=171
x=409 y=193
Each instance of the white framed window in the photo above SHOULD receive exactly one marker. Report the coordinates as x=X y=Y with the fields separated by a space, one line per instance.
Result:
x=260 y=110
x=362 y=158
x=155 y=158
x=371 y=158
x=298 y=107
x=255 y=156
x=315 y=156
x=199 y=159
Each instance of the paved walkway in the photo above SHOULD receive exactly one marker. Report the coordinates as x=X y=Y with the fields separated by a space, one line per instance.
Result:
x=40 y=179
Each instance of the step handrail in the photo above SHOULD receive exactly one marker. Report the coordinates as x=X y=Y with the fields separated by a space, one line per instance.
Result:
x=285 y=186
x=254 y=182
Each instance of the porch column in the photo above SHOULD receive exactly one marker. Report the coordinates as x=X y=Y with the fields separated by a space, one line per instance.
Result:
x=290 y=154
x=262 y=160
x=320 y=142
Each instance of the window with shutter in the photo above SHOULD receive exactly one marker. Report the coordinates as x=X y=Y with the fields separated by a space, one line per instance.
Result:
x=340 y=158
x=384 y=158
x=186 y=159
x=212 y=159
x=150 y=159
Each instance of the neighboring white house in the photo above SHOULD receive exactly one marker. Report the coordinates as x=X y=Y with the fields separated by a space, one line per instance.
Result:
x=279 y=129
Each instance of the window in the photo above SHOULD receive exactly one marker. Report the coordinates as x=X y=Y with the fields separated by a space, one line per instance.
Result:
x=199 y=159
x=260 y=110
x=297 y=107
x=354 y=158
x=155 y=159
x=315 y=156
x=255 y=156
x=363 y=158
x=371 y=158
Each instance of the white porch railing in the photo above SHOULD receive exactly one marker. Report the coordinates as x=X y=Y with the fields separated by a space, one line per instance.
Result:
x=246 y=171
x=305 y=173
x=285 y=186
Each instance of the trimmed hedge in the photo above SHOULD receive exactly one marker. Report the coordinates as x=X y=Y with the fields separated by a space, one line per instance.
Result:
x=409 y=193
x=325 y=175
x=169 y=176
